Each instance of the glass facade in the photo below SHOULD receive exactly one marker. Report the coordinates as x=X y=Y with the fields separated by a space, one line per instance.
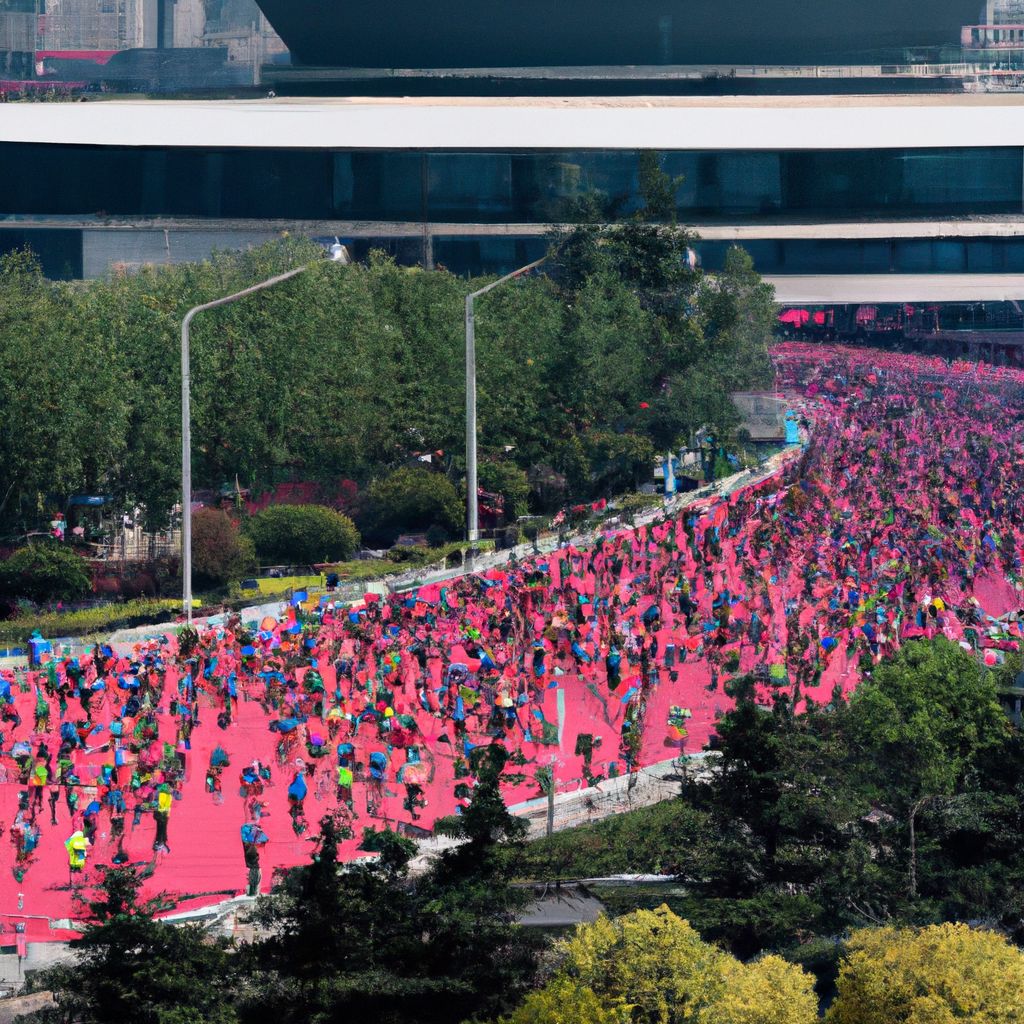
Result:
x=532 y=187
x=877 y=255
x=59 y=251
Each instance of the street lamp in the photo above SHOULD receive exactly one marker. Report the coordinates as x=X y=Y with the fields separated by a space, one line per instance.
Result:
x=472 y=514
x=338 y=254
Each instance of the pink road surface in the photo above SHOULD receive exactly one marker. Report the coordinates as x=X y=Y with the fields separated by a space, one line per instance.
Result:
x=902 y=519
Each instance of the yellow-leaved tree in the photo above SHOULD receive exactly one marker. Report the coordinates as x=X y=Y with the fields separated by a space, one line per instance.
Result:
x=943 y=974
x=767 y=991
x=651 y=967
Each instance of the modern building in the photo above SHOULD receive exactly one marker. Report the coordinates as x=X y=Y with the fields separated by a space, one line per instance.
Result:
x=834 y=197
x=540 y=33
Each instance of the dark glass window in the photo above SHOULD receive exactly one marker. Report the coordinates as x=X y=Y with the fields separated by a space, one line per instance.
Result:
x=497 y=187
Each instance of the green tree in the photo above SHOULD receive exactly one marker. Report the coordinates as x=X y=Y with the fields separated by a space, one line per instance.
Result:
x=920 y=723
x=605 y=365
x=220 y=552
x=938 y=975
x=337 y=942
x=651 y=967
x=46 y=571
x=776 y=832
x=739 y=310
x=410 y=499
x=302 y=534
x=346 y=371
x=130 y=968
x=62 y=422
x=620 y=462
x=372 y=942
x=691 y=400
x=475 y=937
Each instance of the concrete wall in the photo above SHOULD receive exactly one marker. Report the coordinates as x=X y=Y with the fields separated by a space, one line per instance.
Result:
x=10 y=1009
x=40 y=956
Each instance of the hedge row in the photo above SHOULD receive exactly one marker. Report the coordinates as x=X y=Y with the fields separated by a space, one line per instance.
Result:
x=99 y=621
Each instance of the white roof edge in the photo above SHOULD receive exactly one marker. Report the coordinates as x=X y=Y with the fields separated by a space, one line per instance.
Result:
x=562 y=125
x=825 y=289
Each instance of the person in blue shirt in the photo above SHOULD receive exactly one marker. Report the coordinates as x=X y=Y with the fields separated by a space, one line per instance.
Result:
x=296 y=797
x=253 y=837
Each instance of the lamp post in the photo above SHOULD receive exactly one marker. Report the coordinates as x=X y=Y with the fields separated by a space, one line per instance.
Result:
x=338 y=254
x=472 y=514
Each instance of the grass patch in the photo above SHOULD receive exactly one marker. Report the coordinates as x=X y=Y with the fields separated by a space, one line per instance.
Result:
x=268 y=586
x=368 y=569
x=402 y=559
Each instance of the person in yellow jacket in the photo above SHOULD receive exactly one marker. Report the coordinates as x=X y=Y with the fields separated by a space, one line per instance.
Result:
x=77 y=846
x=162 y=814
x=37 y=780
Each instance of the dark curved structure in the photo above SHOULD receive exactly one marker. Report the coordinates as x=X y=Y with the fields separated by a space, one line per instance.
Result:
x=574 y=33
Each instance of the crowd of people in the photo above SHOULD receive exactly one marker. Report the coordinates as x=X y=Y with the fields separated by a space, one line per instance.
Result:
x=902 y=517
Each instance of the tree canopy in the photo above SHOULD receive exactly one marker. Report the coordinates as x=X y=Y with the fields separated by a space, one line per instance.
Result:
x=651 y=967
x=130 y=968
x=937 y=975
x=348 y=371
x=373 y=941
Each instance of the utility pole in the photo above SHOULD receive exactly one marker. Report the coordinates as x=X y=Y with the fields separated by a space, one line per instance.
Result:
x=551 y=799
x=338 y=254
x=472 y=515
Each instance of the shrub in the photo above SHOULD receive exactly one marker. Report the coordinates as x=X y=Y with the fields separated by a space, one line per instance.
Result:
x=219 y=551
x=411 y=500
x=302 y=534
x=45 y=572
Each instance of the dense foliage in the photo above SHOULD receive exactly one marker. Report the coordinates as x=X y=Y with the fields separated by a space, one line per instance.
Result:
x=935 y=975
x=374 y=942
x=219 y=550
x=411 y=499
x=301 y=534
x=651 y=967
x=130 y=968
x=509 y=481
x=45 y=572
x=347 y=371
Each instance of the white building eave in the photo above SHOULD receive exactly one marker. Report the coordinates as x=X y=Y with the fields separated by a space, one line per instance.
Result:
x=845 y=289
x=681 y=123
